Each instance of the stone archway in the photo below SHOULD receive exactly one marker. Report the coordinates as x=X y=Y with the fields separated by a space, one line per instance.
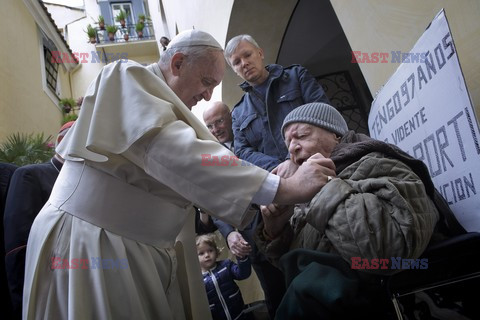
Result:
x=308 y=33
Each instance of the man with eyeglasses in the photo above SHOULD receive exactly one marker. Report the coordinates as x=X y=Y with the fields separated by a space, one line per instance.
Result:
x=218 y=120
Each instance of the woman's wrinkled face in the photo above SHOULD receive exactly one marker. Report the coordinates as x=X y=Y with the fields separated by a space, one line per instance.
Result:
x=304 y=140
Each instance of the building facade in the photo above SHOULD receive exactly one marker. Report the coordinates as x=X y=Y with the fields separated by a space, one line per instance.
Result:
x=320 y=35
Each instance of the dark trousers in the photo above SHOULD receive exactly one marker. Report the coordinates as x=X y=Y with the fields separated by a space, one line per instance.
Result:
x=272 y=281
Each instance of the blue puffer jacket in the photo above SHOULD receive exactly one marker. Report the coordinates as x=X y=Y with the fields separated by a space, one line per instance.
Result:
x=224 y=296
x=256 y=124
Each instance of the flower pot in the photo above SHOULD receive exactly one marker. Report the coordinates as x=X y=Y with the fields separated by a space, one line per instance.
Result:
x=93 y=40
x=101 y=25
x=140 y=34
x=122 y=23
x=111 y=36
x=67 y=108
x=125 y=36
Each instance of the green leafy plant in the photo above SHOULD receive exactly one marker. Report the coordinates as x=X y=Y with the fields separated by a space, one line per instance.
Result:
x=67 y=104
x=121 y=17
x=101 y=22
x=139 y=28
x=91 y=33
x=22 y=149
x=111 y=30
x=142 y=18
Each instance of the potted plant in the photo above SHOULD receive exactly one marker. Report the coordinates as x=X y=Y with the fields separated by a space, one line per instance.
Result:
x=91 y=33
x=142 y=18
x=121 y=17
x=67 y=104
x=111 y=30
x=125 y=36
x=139 y=28
x=101 y=22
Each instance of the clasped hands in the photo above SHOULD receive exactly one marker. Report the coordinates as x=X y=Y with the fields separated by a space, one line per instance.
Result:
x=238 y=245
x=312 y=175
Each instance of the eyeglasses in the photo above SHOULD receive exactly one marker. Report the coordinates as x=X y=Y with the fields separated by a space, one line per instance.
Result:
x=216 y=123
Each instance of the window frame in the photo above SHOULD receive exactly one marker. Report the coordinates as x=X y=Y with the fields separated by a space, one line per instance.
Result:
x=44 y=44
x=122 y=7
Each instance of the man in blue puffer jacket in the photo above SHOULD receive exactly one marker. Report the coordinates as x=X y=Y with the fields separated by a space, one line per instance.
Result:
x=224 y=296
x=271 y=92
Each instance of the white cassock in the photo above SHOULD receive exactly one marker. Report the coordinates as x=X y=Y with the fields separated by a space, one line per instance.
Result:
x=106 y=245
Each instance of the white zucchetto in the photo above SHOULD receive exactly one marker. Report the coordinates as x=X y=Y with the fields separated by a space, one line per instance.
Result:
x=191 y=38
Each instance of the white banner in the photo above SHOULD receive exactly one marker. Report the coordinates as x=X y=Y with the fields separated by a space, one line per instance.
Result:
x=425 y=109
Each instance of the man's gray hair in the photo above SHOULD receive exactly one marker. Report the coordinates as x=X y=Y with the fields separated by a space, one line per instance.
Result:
x=234 y=42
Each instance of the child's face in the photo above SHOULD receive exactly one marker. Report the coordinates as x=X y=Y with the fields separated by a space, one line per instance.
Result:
x=207 y=256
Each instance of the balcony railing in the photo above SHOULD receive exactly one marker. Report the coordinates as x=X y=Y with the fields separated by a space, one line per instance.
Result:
x=129 y=29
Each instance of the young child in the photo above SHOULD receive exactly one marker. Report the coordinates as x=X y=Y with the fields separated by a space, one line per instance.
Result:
x=224 y=296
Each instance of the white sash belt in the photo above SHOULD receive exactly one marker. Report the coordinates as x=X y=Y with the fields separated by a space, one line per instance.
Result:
x=116 y=206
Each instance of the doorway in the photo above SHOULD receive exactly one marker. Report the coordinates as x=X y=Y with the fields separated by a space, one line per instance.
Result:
x=315 y=39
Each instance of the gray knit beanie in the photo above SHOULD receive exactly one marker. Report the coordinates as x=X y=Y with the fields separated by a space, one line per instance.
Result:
x=318 y=114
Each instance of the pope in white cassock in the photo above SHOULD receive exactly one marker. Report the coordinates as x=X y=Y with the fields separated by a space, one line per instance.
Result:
x=106 y=245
